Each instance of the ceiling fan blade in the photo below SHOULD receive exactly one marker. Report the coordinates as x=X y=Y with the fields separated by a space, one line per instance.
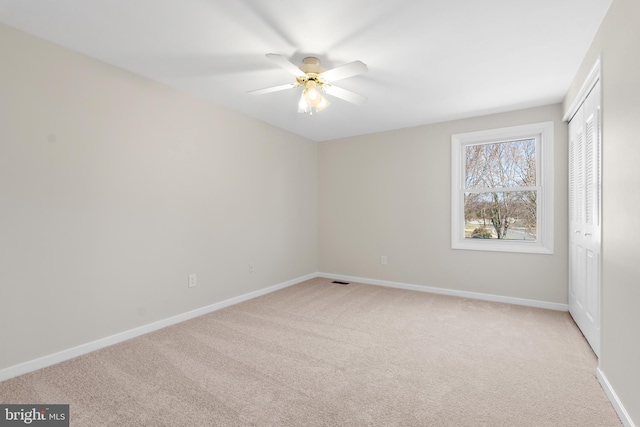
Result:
x=286 y=64
x=348 y=70
x=272 y=89
x=344 y=94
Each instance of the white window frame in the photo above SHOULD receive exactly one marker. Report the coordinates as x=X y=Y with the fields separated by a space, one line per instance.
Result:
x=543 y=135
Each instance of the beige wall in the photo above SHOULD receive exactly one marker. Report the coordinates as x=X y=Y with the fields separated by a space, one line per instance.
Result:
x=618 y=43
x=114 y=188
x=390 y=194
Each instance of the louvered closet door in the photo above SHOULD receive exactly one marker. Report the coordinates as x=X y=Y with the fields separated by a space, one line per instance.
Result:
x=585 y=183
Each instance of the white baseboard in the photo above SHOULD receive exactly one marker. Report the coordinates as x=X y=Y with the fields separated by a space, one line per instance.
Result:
x=452 y=292
x=61 y=356
x=615 y=401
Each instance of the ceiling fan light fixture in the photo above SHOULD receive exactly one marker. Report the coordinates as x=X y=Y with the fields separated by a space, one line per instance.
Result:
x=303 y=107
x=312 y=98
x=312 y=94
x=322 y=104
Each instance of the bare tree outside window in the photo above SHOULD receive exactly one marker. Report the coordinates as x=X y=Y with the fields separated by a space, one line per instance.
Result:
x=500 y=199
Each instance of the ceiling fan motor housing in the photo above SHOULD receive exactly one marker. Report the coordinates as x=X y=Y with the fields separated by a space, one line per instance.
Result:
x=311 y=64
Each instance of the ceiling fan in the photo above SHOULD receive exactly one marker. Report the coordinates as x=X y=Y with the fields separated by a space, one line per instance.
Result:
x=315 y=81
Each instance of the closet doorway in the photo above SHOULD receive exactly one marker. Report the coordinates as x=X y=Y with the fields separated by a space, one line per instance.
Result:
x=585 y=210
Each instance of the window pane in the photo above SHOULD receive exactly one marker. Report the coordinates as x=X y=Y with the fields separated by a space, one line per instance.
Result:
x=505 y=215
x=501 y=164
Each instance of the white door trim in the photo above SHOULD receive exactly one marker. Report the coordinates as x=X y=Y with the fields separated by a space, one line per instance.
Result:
x=594 y=337
x=589 y=83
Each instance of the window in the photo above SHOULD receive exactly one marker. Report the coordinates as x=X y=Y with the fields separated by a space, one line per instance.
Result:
x=502 y=189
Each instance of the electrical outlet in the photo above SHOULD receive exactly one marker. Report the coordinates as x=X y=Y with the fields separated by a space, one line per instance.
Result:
x=252 y=267
x=383 y=260
x=193 y=280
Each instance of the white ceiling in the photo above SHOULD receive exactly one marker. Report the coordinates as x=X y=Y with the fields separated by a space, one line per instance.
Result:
x=429 y=60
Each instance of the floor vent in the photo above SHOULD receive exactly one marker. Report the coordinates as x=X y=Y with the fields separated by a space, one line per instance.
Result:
x=340 y=283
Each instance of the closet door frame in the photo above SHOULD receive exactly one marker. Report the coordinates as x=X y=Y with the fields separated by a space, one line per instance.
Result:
x=585 y=211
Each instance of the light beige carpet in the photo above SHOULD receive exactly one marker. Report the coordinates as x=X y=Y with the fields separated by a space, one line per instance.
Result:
x=323 y=354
